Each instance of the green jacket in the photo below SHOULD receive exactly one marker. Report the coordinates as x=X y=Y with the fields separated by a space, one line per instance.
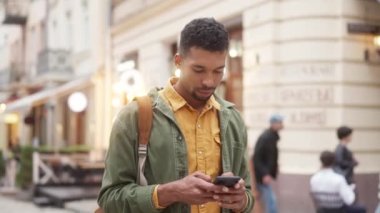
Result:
x=166 y=160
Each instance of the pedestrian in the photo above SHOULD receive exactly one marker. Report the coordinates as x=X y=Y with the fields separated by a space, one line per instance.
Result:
x=265 y=161
x=330 y=191
x=345 y=160
x=195 y=137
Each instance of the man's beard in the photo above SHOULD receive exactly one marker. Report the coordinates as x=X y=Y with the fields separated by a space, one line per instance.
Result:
x=200 y=98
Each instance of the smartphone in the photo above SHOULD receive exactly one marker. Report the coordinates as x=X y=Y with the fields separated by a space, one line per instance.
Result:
x=228 y=181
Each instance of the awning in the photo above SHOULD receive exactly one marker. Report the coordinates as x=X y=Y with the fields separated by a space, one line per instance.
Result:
x=45 y=95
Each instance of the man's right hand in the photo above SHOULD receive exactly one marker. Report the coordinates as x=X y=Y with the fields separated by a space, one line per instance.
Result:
x=267 y=179
x=194 y=189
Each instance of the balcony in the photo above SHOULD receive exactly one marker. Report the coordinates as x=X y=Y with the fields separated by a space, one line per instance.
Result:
x=56 y=64
x=16 y=11
x=4 y=77
x=11 y=74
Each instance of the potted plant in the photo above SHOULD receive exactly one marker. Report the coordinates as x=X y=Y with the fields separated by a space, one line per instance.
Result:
x=24 y=177
x=2 y=165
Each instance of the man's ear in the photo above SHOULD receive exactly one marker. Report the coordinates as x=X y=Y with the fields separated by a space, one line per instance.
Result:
x=177 y=60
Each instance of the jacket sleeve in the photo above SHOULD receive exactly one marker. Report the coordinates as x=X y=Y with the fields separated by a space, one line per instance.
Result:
x=341 y=160
x=258 y=157
x=345 y=192
x=119 y=192
x=245 y=174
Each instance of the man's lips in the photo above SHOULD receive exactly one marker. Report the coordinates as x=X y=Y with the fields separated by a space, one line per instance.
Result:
x=206 y=91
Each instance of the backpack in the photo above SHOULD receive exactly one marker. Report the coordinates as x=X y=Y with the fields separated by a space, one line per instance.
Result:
x=144 y=122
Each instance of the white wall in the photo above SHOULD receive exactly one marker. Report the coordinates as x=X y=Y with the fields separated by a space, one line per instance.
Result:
x=312 y=71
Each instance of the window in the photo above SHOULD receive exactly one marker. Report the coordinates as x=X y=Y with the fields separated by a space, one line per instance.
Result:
x=43 y=35
x=69 y=32
x=86 y=25
x=234 y=68
x=173 y=51
x=84 y=4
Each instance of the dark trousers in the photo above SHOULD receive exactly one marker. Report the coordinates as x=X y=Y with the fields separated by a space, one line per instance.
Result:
x=345 y=209
x=355 y=209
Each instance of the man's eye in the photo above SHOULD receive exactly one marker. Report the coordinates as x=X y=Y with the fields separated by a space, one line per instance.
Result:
x=198 y=70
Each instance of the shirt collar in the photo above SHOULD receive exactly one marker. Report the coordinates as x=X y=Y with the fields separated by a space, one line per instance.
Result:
x=176 y=101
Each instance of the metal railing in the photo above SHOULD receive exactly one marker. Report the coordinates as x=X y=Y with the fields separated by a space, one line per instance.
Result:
x=54 y=61
x=11 y=74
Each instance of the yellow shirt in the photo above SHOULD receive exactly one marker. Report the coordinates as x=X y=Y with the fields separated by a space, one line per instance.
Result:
x=202 y=135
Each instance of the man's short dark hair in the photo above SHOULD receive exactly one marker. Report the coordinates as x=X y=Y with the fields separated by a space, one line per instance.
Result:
x=327 y=158
x=343 y=132
x=205 y=33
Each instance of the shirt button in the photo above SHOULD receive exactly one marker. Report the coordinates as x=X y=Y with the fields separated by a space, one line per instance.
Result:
x=202 y=206
x=199 y=126
x=200 y=152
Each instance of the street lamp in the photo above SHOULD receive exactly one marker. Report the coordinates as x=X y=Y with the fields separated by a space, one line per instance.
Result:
x=77 y=102
x=3 y=107
x=236 y=49
x=376 y=41
x=177 y=73
x=132 y=81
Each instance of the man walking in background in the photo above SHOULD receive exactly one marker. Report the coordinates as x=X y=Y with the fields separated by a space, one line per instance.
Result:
x=345 y=161
x=265 y=161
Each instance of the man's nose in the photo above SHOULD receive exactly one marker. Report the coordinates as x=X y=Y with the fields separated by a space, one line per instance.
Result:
x=208 y=81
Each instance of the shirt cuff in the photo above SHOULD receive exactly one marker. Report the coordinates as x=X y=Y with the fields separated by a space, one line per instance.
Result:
x=155 y=198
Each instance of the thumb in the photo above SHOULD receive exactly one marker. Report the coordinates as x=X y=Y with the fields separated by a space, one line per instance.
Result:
x=228 y=174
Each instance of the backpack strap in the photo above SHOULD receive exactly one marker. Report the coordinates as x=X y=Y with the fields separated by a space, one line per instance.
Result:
x=144 y=122
x=145 y=119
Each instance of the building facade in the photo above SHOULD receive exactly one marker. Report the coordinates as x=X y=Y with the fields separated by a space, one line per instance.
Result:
x=52 y=49
x=299 y=58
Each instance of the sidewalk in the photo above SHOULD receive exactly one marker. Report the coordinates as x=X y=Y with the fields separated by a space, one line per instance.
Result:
x=10 y=205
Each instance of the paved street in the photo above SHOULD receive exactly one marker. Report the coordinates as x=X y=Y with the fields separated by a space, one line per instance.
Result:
x=9 y=205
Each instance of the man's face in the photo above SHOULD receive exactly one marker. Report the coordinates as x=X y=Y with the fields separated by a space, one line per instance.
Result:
x=348 y=139
x=201 y=73
x=277 y=126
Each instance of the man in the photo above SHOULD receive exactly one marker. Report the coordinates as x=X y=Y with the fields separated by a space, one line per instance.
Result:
x=265 y=163
x=195 y=137
x=330 y=190
x=345 y=161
